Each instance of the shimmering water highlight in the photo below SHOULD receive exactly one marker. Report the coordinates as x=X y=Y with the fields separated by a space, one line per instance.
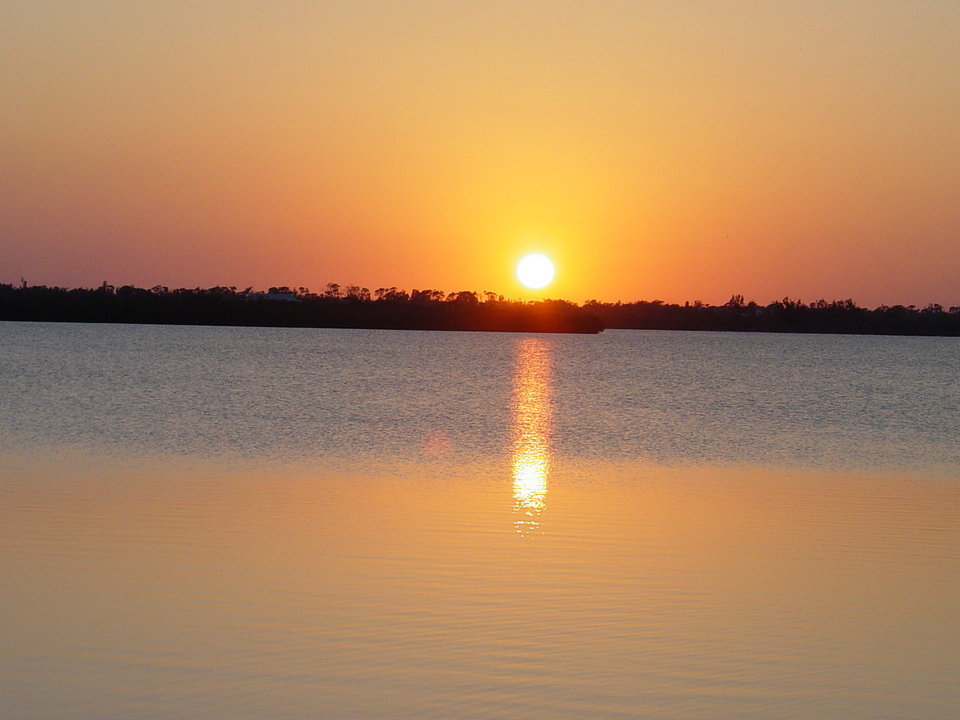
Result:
x=249 y=523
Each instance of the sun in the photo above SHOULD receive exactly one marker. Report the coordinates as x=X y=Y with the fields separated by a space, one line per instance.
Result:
x=535 y=271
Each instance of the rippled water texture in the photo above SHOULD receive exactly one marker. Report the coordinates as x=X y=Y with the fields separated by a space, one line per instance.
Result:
x=249 y=523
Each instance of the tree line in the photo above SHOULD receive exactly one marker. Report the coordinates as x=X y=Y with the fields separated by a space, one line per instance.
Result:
x=336 y=307
x=351 y=306
x=786 y=315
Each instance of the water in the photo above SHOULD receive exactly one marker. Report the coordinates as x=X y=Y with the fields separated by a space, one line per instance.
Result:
x=248 y=523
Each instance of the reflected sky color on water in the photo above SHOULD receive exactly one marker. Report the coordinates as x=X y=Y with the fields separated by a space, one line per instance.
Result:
x=248 y=523
x=531 y=428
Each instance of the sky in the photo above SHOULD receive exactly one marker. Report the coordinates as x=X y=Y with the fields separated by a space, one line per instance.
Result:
x=655 y=150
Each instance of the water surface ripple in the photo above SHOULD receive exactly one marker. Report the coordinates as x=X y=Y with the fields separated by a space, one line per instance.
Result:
x=248 y=523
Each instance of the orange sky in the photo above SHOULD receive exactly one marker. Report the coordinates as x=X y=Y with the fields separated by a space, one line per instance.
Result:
x=678 y=151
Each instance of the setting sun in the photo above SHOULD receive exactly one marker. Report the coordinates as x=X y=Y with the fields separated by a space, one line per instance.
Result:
x=535 y=271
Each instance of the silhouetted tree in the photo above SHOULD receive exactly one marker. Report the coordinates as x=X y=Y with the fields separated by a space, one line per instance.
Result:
x=462 y=310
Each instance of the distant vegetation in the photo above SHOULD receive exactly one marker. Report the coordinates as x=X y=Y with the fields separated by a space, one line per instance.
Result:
x=336 y=307
x=792 y=316
x=356 y=307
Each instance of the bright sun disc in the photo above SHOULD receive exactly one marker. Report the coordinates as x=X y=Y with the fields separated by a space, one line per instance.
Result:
x=535 y=271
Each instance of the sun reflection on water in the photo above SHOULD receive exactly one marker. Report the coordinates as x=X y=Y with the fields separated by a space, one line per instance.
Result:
x=531 y=427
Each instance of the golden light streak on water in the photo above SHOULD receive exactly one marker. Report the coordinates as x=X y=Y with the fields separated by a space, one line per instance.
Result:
x=531 y=431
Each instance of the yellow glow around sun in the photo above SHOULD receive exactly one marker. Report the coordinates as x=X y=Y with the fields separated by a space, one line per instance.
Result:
x=535 y=271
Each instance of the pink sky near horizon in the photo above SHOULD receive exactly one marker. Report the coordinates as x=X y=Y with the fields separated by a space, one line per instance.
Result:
x=674 y=151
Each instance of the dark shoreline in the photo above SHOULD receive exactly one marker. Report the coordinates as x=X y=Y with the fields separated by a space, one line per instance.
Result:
x=393 y=309
x=227 y=307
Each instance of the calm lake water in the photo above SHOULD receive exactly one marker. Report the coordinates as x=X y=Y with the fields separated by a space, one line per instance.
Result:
x=287 y=523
